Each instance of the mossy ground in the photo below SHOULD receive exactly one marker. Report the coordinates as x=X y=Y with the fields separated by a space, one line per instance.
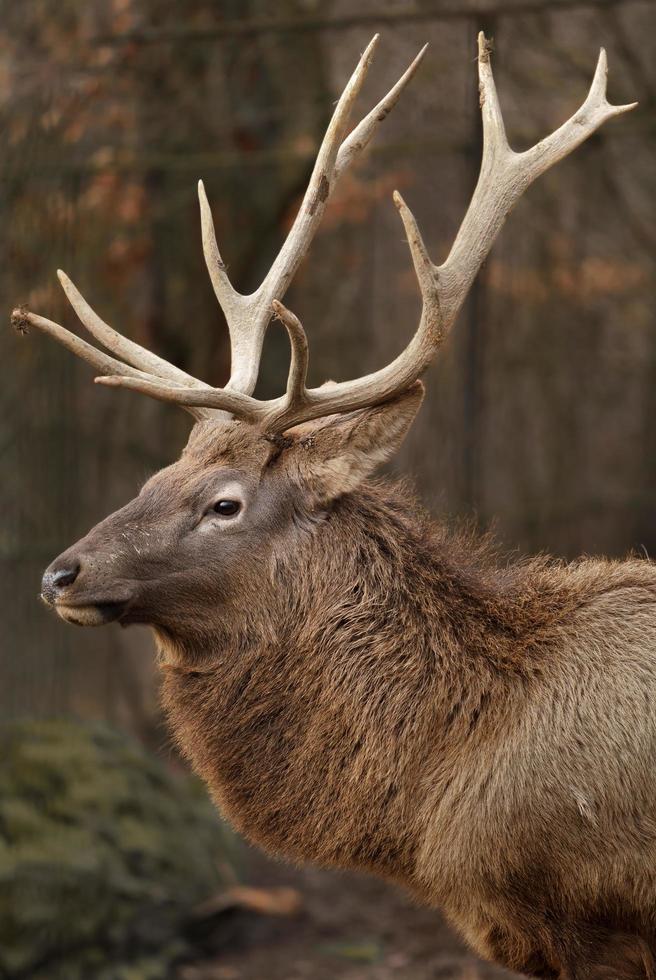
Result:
x=103 y=852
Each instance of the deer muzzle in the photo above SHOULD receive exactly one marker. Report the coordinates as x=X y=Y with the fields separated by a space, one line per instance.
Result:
x=65 y=589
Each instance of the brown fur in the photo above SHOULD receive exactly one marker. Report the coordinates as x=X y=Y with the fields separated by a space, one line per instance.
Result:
x=361 y=688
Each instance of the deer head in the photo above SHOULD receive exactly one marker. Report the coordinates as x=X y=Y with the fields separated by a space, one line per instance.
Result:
x=256 y=473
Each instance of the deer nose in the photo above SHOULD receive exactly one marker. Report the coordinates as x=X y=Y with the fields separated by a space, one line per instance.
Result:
x=58 y=577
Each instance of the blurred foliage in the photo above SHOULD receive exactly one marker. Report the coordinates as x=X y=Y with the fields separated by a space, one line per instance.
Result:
x=103 y=854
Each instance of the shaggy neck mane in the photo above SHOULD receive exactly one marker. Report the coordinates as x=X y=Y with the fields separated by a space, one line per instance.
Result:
x=379 y=636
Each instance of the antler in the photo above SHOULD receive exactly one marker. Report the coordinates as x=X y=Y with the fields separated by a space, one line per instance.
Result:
x=247 y=316
x=504 y=176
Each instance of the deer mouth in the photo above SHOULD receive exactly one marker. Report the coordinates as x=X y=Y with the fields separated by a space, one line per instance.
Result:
x=92 y=613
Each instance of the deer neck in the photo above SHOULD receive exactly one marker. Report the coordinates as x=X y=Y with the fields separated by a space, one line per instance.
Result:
x=313 y=721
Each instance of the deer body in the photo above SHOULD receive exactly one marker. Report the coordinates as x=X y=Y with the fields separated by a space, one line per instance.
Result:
x=358 y=687
x=412 y=709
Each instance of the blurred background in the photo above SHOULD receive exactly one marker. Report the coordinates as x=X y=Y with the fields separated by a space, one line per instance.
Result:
x=539 y=419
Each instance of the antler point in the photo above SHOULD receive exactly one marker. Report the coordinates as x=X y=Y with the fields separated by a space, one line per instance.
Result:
x=485 y=46
x=20 y=318
x=414 y=64
x=601 y=73
x=368 y=52
x=624 y=108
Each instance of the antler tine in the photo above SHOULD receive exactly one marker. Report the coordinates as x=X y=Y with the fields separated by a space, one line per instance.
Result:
x=22 y=319
x=332 y=159
x=210 y=400
x=137 y=363
x=230 y=301
x=504 y=176
x=360 y=137
x=595 y=110
x=298 y=363
x=249 y=316
x=127 y=350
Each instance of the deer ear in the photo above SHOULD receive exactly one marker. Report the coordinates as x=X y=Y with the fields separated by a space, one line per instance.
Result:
x=333 y=455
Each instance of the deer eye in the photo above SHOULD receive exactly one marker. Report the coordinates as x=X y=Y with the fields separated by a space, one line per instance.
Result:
x=226 y=508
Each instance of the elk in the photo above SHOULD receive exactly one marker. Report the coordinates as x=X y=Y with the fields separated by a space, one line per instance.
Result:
x=357 y=685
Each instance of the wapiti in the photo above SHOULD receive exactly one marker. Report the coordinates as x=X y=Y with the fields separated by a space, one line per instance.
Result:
x=358 y=686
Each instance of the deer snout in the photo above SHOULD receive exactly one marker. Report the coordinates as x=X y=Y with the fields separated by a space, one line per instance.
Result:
x=78 y=594
x=58 y=576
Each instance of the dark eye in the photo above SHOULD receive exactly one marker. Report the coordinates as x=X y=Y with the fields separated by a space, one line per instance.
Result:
x=226 y=508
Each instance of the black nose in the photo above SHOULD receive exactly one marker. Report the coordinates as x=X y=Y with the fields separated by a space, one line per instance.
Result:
x=66 y=576
x=58 y=578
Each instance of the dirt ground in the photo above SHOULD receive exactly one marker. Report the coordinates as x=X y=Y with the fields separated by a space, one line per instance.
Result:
x=348 y=928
